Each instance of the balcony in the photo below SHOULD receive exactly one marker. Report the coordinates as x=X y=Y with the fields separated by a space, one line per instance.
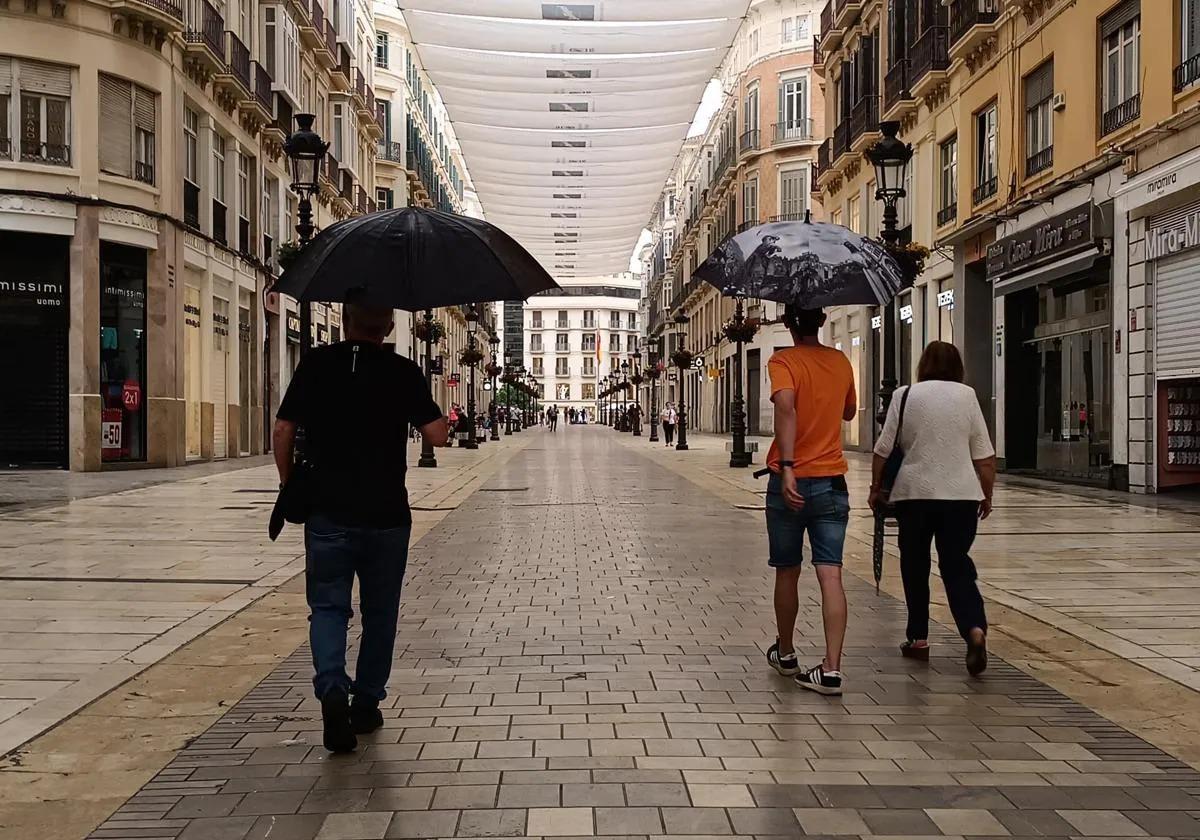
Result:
x=312 y=28
x=1039 y=161
x=818 y=55
x=841 y=141
x=790 y=217
x=971 y=23
x=301 y=9
x=277 y=130
x=234 y=79
x=204 y=38
x=824 y=156
x=1121 y=115
x=947 y=214
x=845 y=12
x=1187 y=74
x=165 y=16
x=218 y=222
x=53 y=154
x=929 y=60
x=259 y=106
x=143 y=171
x=864 y=123
x=390 y=153
x=191 y=205
x=897 y=98
x=749 y=142
x=329 y=176
x=326 y=50
x=360 y=89
x=831 y=35
x=793 y=131
x=340 y=78
x=984 y=191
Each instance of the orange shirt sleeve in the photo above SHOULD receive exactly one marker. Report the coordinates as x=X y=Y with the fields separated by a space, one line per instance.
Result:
x=782 y=378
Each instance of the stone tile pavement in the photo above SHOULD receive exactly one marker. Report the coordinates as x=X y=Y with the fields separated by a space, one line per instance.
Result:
x=580 y=654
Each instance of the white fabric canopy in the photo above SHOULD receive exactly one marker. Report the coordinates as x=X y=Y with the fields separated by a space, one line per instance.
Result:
x=571 y=115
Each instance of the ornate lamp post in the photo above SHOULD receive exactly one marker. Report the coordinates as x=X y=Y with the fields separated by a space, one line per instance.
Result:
x=305 y=150
x=681 y=320
x=890 y=157
x=428 y=458
x=522 y=418
x=738 y=456
x=508 y=372
x=653 y=374
x=624 y=396
x=494 y=341
x=472 y=327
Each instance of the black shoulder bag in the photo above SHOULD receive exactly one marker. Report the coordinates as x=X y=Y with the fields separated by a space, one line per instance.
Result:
x=895 y=458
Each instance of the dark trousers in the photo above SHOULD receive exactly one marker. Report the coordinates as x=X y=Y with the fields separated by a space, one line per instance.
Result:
x=334 y=554
x=951 y=526
x=669 y=432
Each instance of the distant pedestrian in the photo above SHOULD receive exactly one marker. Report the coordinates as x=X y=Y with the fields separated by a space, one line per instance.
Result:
x=669 y=418
x=943 y=489
x=355 y=401
x=812 y=388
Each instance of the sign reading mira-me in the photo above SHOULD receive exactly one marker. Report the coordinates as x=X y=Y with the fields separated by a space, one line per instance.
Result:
x=1179 y=232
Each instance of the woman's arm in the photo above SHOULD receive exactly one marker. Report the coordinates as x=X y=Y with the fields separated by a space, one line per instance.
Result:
x=985 y=468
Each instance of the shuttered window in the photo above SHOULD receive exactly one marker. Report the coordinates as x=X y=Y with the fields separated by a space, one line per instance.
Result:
x=1039 y=119
x=1190 y=29
x=5 y=106
x=40 y=77
x=35 y=102
x=128 y=121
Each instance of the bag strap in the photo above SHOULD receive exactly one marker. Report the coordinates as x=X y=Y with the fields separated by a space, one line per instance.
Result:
x=900 y=424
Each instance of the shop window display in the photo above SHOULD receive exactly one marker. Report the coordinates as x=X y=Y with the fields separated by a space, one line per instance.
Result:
x=122 y=352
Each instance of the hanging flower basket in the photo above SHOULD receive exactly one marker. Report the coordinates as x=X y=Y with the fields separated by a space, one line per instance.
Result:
x=492 y=369
x=286 y=254
x=743 y=332
x=682 y=358
x=431 y=331
x=653 y=374
x=912 y=256
x=636 y=379
x=470 y=356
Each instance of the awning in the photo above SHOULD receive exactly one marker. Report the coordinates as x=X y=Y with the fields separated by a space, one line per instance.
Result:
x=1046 y=273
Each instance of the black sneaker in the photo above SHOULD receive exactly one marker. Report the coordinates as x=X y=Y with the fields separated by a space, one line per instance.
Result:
x=821 y=681
x=786 y=665
x=977 y=657
x=335 y=714
x=365 y=717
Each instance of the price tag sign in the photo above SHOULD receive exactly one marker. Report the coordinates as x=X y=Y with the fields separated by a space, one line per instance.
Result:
x=110 y=431
x=131 y=395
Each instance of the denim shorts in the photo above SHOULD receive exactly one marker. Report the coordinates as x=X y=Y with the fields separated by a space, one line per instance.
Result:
x=824 y=517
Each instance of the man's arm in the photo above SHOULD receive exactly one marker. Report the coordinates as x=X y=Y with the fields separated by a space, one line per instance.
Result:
x=785 y=440
x=283 y=442
x=851 y=409
x=436 y=433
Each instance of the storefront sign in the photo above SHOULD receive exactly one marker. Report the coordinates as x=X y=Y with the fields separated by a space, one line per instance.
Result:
x=1056 y=237
x=437 y=366
x=131 y=395
x=220 y=324
x=452 y=380
x=946 y=299
x=1177 y=233
x=877 y=322
x=322 y=334
x=33 y=292
x=191 y=315
x=906 y=314
x=293 y=328
x=111 y=420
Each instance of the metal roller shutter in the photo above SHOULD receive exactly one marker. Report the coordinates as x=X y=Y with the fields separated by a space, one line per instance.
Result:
x=1176 y=314
x=116 y=135
x=53 y=79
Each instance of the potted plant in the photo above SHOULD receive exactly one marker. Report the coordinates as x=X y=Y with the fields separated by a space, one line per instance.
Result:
x=912 y=255
x=470 y=356
x=431 y=331
x=286 y=254
x=743 y=331
x=492 y=369
x=636 y=379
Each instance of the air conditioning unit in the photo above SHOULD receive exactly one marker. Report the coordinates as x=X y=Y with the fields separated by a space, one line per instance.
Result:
x=1058 y=102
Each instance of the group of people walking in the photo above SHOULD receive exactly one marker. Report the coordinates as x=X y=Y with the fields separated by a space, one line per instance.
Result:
x=935 y=432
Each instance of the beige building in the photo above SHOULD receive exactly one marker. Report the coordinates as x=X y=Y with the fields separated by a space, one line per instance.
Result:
x=1053 y=175
x=753 y=164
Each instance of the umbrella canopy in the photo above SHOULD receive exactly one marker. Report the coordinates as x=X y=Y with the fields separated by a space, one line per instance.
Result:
x=413 y=258
x=810 y=264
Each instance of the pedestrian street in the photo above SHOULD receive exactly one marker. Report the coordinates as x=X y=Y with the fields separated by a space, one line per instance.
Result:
x=581 y=653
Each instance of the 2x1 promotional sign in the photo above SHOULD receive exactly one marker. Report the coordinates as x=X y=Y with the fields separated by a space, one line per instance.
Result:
x=131 y=395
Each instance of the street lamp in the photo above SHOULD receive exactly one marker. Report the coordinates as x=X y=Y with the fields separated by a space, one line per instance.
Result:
x=681 y=320
x=428 y=458
x=624 y=396
x=653 y=374
x=738 y=456
x=508 y=389
x=472 y=327
x=522 y=415
x=494 y=341
x=305 y=150
x=890 y=157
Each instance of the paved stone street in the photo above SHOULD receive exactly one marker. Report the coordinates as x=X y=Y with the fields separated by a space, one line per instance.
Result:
x=580 y=654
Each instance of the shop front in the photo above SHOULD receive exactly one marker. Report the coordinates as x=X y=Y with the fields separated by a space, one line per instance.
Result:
x=123 y=353
x=1052 y=281
x=34 y=327
x=192 y=372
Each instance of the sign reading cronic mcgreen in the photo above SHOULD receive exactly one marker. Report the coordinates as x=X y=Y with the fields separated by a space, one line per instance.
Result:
x=1178 y=233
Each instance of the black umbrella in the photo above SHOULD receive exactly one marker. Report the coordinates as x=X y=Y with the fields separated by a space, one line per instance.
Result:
x=413 y=258
x=810 y=264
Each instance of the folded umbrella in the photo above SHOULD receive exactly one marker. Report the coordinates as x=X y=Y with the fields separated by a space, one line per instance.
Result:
x=413 y=258
x=810 y=264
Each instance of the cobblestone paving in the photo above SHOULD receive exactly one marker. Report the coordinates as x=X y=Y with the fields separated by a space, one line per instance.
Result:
x=580 y=654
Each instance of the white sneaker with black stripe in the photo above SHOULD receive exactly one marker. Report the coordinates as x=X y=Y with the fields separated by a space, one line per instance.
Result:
x=785 y=664
x=821 y=681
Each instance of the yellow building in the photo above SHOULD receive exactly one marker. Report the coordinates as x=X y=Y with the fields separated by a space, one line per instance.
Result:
x=1029 y=122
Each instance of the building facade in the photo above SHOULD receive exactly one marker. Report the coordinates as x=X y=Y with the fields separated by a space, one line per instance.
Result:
x=576 y=338
x=1051 y=159
x=753 y=164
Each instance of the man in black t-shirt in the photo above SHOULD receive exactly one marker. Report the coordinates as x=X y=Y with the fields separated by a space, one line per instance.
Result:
x=355 y=401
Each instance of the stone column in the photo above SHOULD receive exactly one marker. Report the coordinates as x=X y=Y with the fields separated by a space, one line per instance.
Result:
x=84 y=341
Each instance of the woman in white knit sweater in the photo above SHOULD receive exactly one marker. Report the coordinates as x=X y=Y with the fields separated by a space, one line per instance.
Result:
x=943 y=489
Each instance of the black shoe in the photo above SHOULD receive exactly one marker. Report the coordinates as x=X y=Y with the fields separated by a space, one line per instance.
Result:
x=365 y=718
x=977 y=656
x=819 y=680
x=335 y=714
x=786 y=665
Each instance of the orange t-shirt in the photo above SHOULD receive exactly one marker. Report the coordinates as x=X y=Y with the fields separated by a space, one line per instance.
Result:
x=824 y=384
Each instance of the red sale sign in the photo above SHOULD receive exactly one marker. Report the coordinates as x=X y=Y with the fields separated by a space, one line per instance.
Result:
x=131 y=396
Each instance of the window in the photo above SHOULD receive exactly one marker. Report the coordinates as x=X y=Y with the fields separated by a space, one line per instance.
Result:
x=614 y=363
x=127 y=122
x=589 y=366
x=1188 y=70
x=754 y=42
x=560 y=366
x=668 y=240
x=385 y=198
x=562 y=319
x=339 y=132
x=381 y=50
x=281 y=52
x=562 y=342
x=589 y=342
x=536 y=319
x=789 y=30
x=750 y=110
x=43 y=118
x=854 y=214
x=538 y=368
x=535 y=343
x=985 y=154
x=614 y=343
x=793 y=194
x=803 y=29
x=589 y=390
x=1120 y=33
x=948 y=181
x=589 y=319
x=631 y=342
x=218 y=167
x=269 y=221
x=191 y=146
x=750 y=202
x=1039 y=119
x=614 y=320
x=793 y=109
x=632 y=320
x=245 y=165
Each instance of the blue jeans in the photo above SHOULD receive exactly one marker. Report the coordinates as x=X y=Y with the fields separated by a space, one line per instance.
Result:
x=824 y=517
x=334 y=554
